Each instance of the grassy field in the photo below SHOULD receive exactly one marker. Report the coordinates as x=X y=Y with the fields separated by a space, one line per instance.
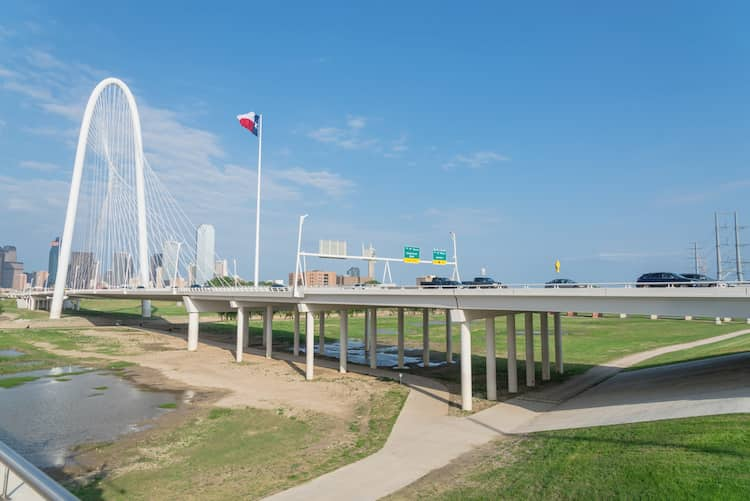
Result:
x=738 y=344
x=695 y=458
x=244 y=453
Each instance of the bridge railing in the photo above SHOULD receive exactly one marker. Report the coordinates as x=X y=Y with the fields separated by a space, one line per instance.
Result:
x=19 y=479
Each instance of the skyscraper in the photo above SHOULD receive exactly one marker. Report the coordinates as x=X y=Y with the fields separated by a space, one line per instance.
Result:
x=81 y=270
x=122 y=268
x=54 y=256
x=205 y=245
x=171 y=261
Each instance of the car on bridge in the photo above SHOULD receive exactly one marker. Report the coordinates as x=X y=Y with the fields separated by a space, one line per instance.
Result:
x=562 y=283
x=665 y=279
x=704 y=280
x=482 y=283
x=440 y=282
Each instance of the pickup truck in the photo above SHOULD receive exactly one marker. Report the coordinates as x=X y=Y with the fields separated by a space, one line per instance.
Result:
x=482 y=282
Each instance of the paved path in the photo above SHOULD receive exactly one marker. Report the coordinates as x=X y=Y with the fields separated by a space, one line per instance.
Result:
x=425 y=437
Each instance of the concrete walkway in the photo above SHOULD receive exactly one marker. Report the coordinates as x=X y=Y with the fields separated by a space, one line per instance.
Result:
x=425 y=437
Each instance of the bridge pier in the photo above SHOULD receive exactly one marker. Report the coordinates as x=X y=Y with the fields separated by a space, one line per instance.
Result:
x=268 y=330
x=466 y=391
x=448 y=338
x=366 y=335
x=373 y=338
x=426 y=337
x=343 y=340
x=530 y=367
x=241 y=332
x=193 y=326
x=309 y=345
x=322 y=333
x=512 y=354
x=544 y=336
x=400 y=334
x=558 y=342
x=489 y=327
x=296 y=333
x=146 y=308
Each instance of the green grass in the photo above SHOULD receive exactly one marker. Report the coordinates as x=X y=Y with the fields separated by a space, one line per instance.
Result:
x=9 y=306
x=738 y=344
x=243 y=454
x=170 y=405
x=12 y=382
x=100 y=388
x=695 y=458
x=126 y=308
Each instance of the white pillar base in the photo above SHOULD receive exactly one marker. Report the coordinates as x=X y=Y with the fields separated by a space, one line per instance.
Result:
x=544 y=329
x=727 y=319
x=530 y=365
x=343 y=340
x=322 y=333
x=309 y=346
x=466 y=392
x=491 y=362
x=373 y=338
x=448 y=338
x=717 y=320
x=654 y=317
x=688 y=317
x=268 y=330
x=146 y=308
x=426 y=337
x=512 y=355
x=193 y=325
x=241 y=330
x=296 y=333
x=558 y=343
x=623 y=315
x=400 y=331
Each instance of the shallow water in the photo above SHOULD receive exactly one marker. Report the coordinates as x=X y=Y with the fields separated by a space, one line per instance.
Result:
x=387 y=356
x=11 y=353
x=43 y=419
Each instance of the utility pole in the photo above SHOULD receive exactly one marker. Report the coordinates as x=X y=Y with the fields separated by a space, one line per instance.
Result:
x=718 y=246
x=738 y=259
x=695 y=257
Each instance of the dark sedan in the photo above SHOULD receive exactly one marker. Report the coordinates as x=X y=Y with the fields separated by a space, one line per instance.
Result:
x=561 y=283
x=703 y=280
x=664 y=279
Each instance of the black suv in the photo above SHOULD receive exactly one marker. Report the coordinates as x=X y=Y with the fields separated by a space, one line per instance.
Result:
x=703 y=280
x=440 y=282
x=482 y=282
x=664 y=279
x=561 y=283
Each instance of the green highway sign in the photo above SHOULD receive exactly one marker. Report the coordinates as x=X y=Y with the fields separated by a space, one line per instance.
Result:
x=439 y=256
x=411 y=254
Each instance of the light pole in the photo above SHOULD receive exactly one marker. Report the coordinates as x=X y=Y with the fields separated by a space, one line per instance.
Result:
x=457 y=277
x=176 y=264
x=299 y=249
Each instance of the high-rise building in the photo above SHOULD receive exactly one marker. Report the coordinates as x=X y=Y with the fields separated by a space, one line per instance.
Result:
x=170 y=261
x=205 y=245
x=122 y=269
x=315 y=278
x=10 y=268
x=54 y=257
x=41 y=279
x=156 y=262
x=221 y=268
x=81 y=270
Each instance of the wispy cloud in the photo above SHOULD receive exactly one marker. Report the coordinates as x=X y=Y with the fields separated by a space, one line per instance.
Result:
x=330 y=183
x=349 y=137
x=39 y=166
x=475 y=160
x=694 y=197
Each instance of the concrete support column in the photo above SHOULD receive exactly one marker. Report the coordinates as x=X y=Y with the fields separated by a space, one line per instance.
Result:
x=193 y=324
x=623 y=315
x=529 y=331
x=343 y=340
x=688 y=317
x=465 y=366
x=145 y=308
x=448 y=338
x=489 y=328
x=512 y=357
x=309 y=345
x=268 y=330
x=654 y=317
x=544 y=336
x=400 y=331
x=373 y=338
x=717 y=321
x=322 y=333
x=366 y=340
x=263 y=333
x=296 y=333
x=241 y=330
x=426 y=337
x=558 y=343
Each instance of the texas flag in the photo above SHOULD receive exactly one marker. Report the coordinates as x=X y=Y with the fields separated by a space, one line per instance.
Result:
x=250 y=121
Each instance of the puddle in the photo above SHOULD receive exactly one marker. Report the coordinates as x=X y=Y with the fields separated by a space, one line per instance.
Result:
x=43 y=419
x=11 y=353
x=387 y=356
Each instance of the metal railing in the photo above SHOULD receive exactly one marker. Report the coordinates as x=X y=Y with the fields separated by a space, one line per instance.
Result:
x=19 y=479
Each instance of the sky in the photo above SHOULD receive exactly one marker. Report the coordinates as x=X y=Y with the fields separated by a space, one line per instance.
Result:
x=602 y=134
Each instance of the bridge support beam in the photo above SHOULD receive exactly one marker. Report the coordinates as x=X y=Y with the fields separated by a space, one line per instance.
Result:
x=530 y=366
x=489 y=327
x=296 y=333
x=373 y=338
x=241 y=332
x=322 y=333
x=343 y=340
x=448 y=338
x=558 y=342
x=309 y=345
x=426 y=337
x=400 y=334
x=268 y=330
x=193 y=326
x=366 y=331
x=461 y=318
x=544 y=336
x=512 y=354
x=146 y=308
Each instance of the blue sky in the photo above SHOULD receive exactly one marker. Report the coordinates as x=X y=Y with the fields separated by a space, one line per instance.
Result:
x=601 y=135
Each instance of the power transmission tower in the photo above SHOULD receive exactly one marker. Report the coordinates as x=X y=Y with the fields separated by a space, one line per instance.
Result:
x=718 y=246
x=738 y=259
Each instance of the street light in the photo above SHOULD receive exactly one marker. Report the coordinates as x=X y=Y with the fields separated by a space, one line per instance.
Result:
x=299 y=249
x=456 y=276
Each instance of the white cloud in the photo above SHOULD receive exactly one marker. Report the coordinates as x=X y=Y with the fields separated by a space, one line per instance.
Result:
x=330 y=183
x=356 y=122
x=39 y=166
x=475 y=160
x=35 y=196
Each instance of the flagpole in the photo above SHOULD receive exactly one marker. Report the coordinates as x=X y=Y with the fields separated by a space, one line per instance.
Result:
x=257 y=207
